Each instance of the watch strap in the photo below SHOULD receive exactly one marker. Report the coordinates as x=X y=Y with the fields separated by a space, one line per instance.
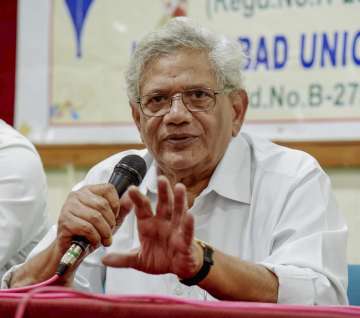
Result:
x=205 y=268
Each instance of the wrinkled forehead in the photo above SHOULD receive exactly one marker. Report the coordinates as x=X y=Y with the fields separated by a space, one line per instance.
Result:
x=184 y=66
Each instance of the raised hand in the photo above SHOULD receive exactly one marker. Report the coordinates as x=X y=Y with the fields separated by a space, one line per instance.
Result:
x=166 y=237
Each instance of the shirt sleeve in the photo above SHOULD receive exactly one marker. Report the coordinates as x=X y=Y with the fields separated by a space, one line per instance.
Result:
x=23 y=217
x=89 y=276
x=309 y=244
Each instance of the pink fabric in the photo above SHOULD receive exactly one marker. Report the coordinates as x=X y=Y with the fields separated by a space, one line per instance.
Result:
x=58 y=302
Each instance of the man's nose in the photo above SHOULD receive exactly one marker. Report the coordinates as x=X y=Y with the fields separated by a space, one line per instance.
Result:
x=178 y=111
x=177 y=103
x=176 y=97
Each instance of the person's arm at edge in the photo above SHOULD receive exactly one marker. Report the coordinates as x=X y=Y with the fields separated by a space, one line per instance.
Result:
x=40 y=268
x=23 y=200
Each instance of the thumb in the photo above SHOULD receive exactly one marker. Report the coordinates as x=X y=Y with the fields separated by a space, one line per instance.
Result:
x=125 y=207
x=121 y=259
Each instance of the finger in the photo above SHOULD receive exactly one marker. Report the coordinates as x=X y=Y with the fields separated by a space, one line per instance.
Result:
x=188 y=229
x=121 y=260
x=108 y=192
x=141 y=203
x=95 y=219
x=180 y=204
x=184 y=241
x=125 y=207
x=165 y=202
x=97 y=203
x=74 y=225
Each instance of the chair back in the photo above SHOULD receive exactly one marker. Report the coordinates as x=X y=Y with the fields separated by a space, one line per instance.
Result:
x=354 y=284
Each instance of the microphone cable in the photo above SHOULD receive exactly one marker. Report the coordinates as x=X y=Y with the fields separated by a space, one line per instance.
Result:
x=26 y=289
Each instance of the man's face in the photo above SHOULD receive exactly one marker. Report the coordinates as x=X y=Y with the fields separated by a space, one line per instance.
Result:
x=182 y=141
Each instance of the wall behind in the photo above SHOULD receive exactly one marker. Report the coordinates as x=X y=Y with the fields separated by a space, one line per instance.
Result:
x=346 y=185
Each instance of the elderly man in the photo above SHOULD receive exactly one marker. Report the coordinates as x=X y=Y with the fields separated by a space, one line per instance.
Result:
x=268 y=222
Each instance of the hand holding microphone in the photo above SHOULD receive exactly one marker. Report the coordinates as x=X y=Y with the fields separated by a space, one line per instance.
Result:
x=90 y=215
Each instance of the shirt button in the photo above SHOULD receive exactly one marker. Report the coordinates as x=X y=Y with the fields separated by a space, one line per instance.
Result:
x=179 y=290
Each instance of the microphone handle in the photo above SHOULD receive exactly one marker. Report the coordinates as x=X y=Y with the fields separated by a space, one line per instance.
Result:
x=78 y=246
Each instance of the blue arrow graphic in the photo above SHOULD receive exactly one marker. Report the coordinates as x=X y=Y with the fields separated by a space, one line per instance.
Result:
x=78 y=10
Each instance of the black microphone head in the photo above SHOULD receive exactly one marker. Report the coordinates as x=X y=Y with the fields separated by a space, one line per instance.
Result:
x=134 y=165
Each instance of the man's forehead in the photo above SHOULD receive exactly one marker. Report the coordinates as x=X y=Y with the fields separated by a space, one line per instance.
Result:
x=182 y=66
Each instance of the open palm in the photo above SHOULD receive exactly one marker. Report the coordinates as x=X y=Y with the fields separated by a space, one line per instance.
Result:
x=166 y=237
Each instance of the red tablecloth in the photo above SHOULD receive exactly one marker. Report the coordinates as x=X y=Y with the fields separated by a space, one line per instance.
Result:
x=139 y=308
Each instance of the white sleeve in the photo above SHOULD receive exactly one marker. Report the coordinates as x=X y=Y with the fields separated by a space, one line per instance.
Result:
x=43 y=244
x=23 y=193
x=89 y=276
x=309 y=245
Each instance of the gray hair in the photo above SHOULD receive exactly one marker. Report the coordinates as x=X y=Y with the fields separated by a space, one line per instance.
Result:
x=225 y=55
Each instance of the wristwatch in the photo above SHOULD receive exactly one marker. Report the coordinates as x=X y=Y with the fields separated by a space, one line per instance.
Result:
x=205 y=268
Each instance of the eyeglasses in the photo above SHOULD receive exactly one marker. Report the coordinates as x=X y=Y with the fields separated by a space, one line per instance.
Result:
x=195 y=100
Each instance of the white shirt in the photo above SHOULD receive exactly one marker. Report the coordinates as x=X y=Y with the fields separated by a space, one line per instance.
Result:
x=23 y=192
x=265 y=204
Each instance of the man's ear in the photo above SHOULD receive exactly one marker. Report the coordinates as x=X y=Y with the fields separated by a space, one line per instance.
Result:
x=240 y=101
x=135 y=114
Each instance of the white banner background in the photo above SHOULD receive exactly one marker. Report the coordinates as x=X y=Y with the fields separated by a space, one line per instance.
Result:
x=303 y=78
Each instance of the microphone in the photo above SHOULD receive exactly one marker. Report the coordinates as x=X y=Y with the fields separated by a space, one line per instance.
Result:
x=130 y=170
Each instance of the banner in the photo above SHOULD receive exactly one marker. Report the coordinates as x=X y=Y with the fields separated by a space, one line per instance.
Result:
x=302 y=75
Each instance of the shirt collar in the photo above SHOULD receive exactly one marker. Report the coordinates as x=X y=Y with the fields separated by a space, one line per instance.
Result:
x=150 y=180
x=231 y=178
